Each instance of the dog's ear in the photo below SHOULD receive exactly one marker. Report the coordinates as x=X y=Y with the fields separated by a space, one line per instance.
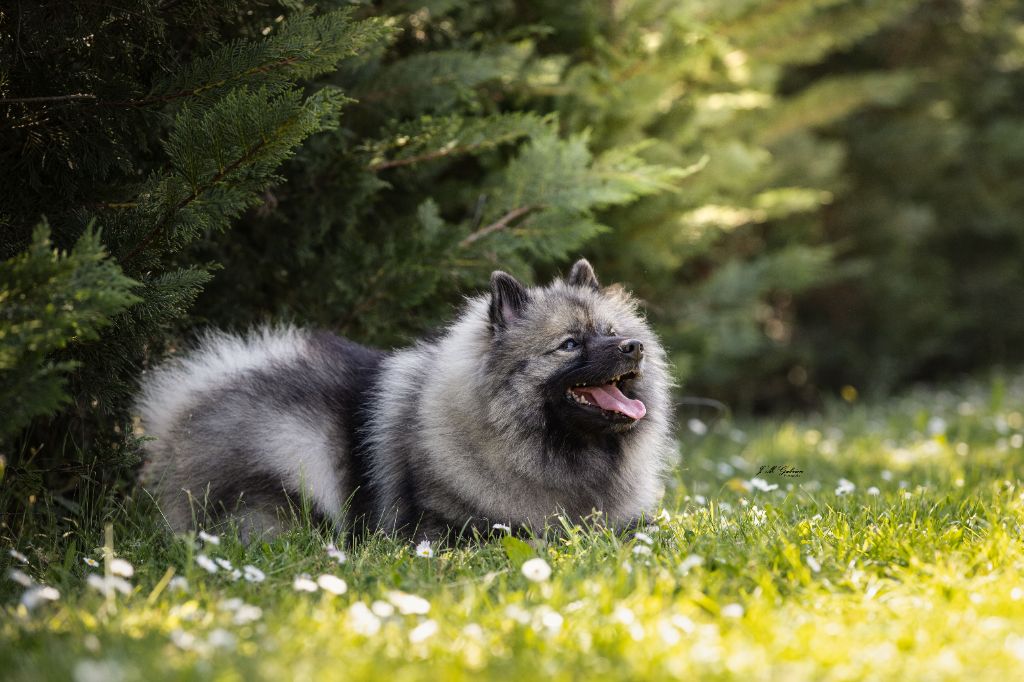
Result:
x=582 y=275
x=508 y=299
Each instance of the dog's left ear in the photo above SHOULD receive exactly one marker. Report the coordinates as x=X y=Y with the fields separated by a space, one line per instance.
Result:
x=582 y=275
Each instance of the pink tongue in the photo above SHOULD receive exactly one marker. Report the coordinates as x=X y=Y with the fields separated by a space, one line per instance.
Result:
x=610 y=398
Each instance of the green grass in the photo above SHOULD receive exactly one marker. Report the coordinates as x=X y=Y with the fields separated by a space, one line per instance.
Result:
x=922 y=580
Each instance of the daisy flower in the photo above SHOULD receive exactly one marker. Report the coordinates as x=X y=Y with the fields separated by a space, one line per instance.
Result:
x=247 y=613
x=20 y=577
x=424 y=549
x=108 y=586
x=209 y=538
x=536 y=569
x=423 y=631
x=253 y=574
x=408 y=604
x=691 y=562
x=303 y=583
x=362 y=620
x=763 y=485
x=336 y=554
x=122 y=568
x=332 y=584
x=206 y=563
x=845 y=487
x=34 y=596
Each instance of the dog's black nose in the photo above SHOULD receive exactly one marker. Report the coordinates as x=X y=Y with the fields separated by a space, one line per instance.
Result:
x=632 y=348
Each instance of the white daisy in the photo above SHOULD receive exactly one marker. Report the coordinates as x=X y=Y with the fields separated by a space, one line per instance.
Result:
x=247 y=613
x=253 y=574
x=90 y=562
x=221 y=639
x=303 y=583
x=936 y=426
x=362 y=620
x=408 y=604
x=20 y=577
x=536 y=569
x=183 y=640
x=423 y=549
x=548 y=619
x=874 y=491
x=232 y=604
x=209 y=538
x=108 y=586
x=644 y=538
x=224 y=563
x=122 y=568
x=640 y=550
x=206 y=563
x=423 y=631
x=845 y=487
x=336 y=554
x=332 y=584
x=502 y=526
x=382 y=609
x=763 y=485
x=34 y=596
x=691 y=562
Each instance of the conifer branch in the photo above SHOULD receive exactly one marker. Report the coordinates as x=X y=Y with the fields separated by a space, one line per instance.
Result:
x=192 y=92
x=499 y=224
x=220 y=175
x=46 y=99
x=428 y=156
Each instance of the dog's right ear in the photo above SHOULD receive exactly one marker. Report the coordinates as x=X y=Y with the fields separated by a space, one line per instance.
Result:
x=508 y=299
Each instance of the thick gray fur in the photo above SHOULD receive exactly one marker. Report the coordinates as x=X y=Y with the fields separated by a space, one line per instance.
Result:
x=463 y=431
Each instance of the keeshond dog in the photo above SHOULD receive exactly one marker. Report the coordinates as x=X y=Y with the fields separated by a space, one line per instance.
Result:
x=535 y=401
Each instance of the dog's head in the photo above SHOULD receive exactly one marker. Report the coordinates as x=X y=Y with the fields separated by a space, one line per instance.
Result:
x=577 y=357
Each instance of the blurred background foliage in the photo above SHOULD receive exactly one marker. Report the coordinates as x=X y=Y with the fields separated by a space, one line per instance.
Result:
x=807 y=194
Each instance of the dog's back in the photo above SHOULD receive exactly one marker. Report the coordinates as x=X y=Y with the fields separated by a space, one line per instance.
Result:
x=250 y=424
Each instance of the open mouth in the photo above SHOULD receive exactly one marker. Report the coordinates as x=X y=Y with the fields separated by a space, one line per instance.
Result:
x=608 y=398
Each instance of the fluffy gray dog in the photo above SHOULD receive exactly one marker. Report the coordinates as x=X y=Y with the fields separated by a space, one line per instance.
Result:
x=534 y=401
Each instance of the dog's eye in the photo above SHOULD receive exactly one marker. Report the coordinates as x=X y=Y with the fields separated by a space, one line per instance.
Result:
x=569 y=344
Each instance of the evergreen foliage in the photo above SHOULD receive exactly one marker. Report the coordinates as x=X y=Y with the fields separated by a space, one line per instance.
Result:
x=159 y=124
x=805 y=193
x=47 y=299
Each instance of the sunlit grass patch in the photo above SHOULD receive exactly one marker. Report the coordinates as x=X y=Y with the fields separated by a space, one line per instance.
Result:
x=884 y=545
